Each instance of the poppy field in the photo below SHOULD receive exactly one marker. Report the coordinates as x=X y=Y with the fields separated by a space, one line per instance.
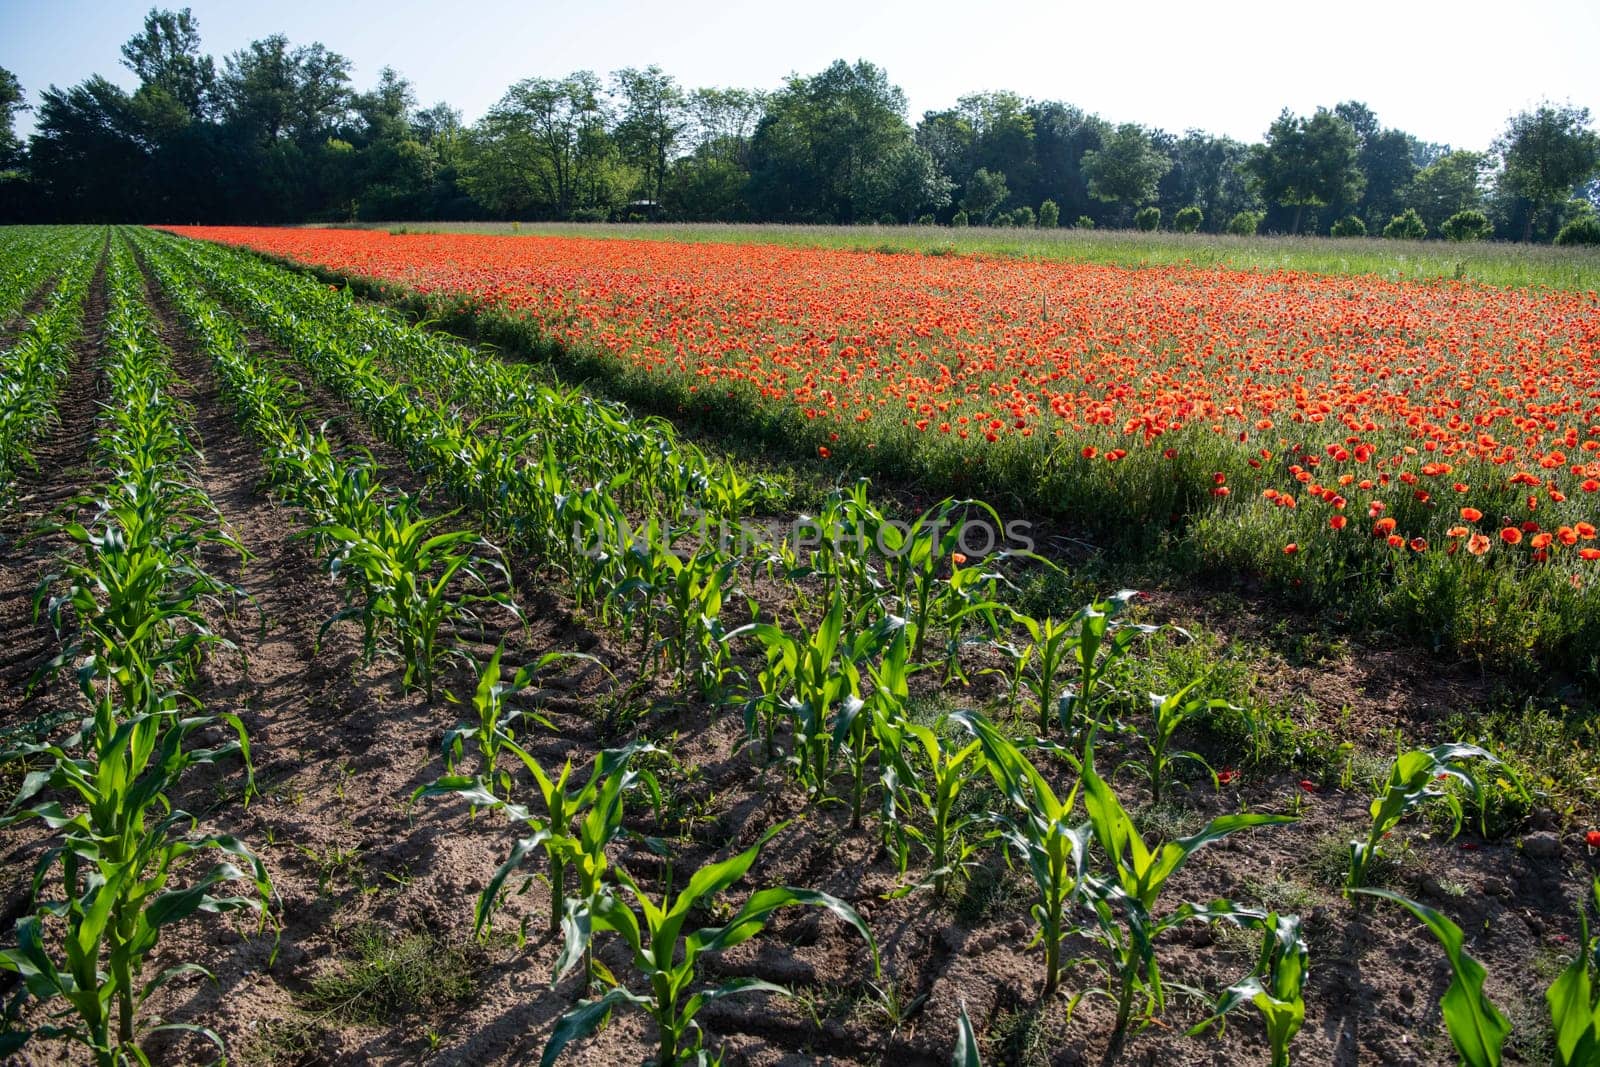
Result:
x=376 y=696
x=1405 y=452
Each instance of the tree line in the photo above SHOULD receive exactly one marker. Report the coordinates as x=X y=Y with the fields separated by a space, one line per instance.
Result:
x=277 y=133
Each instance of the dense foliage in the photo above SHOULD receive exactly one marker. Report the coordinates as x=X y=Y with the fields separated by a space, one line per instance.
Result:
x=277 y=133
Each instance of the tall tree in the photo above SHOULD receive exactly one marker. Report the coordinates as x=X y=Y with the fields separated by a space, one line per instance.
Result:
x=166 y=56
x=905 y=183
x=1307 y=162
x=1545 y=155
x=89 y=152
x=1062 y=134
x=653 y=118
x=1446 y=186
x=1207 y=172
x=386 y=110
x=818 y=138
x=985 y=191
x=544 y=148
x=277 y=92
x=1126 y=168
x=12 y=101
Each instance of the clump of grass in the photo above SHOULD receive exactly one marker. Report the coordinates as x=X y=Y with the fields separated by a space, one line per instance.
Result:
x=389 y=975
x=1551 y=749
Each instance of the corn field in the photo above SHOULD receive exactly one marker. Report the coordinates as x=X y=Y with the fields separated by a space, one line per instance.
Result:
x=376 y=695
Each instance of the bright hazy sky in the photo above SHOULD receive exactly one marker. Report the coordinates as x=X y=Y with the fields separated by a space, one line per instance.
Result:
x=1443 y=71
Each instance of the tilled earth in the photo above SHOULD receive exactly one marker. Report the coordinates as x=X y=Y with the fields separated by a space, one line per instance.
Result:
x=361 y=872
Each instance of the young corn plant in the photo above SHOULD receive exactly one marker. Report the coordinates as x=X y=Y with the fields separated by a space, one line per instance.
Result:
x=1041 y=832
x=1168 y=712
x=1476 y=1026
x=1102 y=638
x=1058 y=649
x=855 y=732
x=118 y=864
x=1414 y=780
x=824 y=670
x=915 y=558
x=1125 y=896
x=496 y=724
x=1574 y=1011
x=1275 y=987
x=551 y=827
x=669 y=957
x=413 y=581
x=924 y=775
x=965 y=1053
x=694 y=590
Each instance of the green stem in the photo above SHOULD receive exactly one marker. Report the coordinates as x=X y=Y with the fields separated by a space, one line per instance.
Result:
x=558 y=891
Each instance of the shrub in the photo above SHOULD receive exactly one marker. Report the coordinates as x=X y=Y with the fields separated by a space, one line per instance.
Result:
x=924 y=220
x=1023 y=217
x=1245 y=223
x=1467 y=226
x=1002 y=220
x=1049 y=215
x=1188 y=219
x=958 y=219
x=1582 y=231
x=1147 y=218
x=1084 y=223
x=1407 y=226
x=591 y=214
x=887 y=219
x=1349 y=226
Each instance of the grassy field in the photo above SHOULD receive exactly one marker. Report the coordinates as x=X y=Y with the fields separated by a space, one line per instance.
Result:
x=1492 y=263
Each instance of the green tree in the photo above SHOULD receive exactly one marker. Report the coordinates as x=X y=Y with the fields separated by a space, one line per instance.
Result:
x=275 y=92
x=1126 y=168
x=1407 y=226
x=12 y=102
x=1061 y=135
x=1583 y=230
x=1049 y=215
x=819 y=137
x=1188 y=219
x=1545 y=154
x=1307 y=162
x=1245 y=223
x=904 y=184
x=88 y=154
x=1349 y=226
x=166 y=56
x=652 y=119
x=1467 y=226
x=984 y=194
x=543 y=148
x=1448 y=185
x=1208 y=172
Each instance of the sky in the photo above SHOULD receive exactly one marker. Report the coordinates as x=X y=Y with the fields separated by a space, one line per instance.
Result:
x=1450 y=72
